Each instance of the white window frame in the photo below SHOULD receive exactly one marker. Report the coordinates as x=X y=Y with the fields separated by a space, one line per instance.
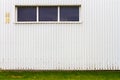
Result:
x=48 y=22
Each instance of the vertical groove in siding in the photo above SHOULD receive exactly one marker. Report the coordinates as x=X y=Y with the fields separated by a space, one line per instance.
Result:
x=92 y=45
x=0 y=35
x=118 y=34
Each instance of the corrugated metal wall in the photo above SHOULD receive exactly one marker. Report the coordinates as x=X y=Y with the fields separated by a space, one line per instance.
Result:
x=90 y=45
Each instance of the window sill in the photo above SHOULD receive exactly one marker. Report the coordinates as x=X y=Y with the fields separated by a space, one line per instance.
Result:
x=65 y=22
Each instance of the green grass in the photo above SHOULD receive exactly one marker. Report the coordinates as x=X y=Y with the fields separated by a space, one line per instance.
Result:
x=59 y=75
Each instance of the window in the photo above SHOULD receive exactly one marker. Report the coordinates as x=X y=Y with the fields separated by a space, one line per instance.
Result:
x=69 y=13
x=48 y=13
x=26 y=14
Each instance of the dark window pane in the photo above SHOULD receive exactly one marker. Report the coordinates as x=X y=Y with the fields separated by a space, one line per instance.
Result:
x=48 y=13
x=69 y=13
x=27 y=14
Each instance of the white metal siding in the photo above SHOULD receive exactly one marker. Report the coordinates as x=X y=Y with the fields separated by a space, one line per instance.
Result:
x=93 y=44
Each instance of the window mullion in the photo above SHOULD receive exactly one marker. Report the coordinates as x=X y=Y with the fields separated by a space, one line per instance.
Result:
x=58 y=13
x=37 y=14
